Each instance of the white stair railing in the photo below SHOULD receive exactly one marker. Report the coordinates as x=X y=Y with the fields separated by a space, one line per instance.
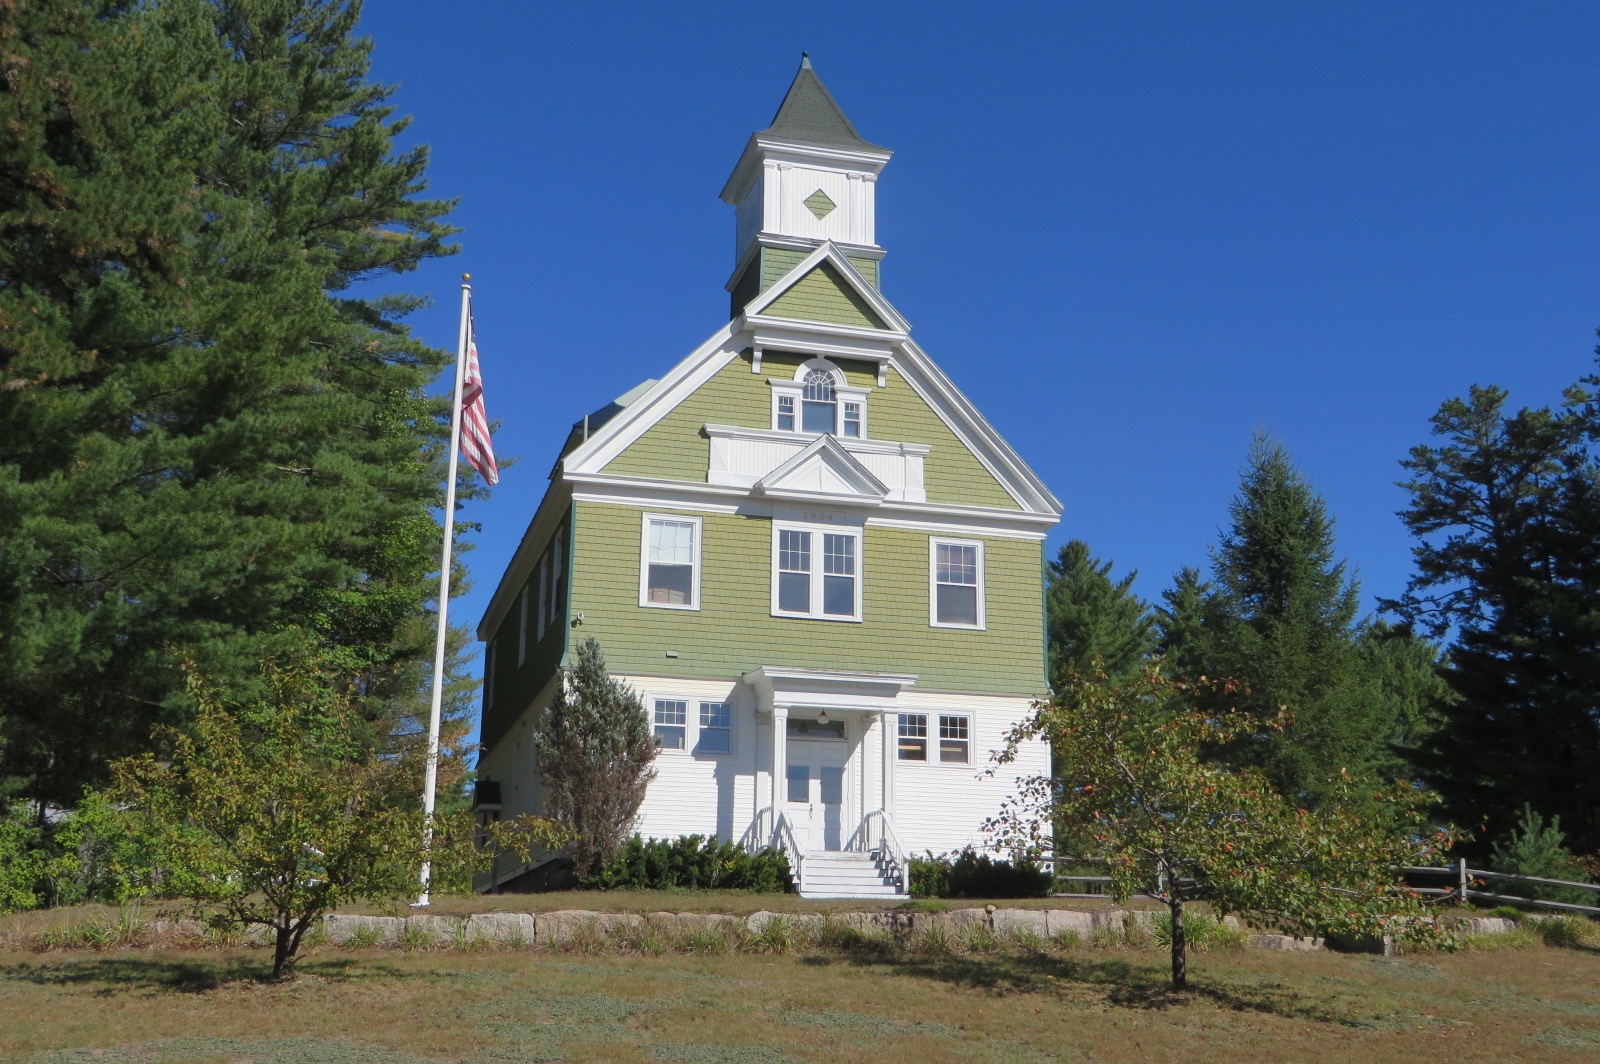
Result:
x=877 y=833
x=783 y=839
x=758 y=836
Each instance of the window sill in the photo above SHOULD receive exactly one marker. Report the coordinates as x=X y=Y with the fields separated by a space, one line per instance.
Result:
x=668 y=606
x=816 y=617
x=959 y=627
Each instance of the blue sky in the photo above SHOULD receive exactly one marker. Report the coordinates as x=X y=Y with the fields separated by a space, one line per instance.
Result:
x=1133 y=234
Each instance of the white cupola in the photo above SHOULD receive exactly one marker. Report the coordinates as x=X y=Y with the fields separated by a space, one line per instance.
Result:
x=807 y=178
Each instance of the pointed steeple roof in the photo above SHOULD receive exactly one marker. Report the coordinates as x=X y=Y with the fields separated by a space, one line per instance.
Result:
x=809 y=114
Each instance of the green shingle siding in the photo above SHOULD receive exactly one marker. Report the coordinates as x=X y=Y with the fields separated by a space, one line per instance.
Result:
x=822 y=295
x=675 y=449
x=950 y=473
x=776 y=262
x=734 y=630
x=746 y=288
x=516 y=688
x=868 y=268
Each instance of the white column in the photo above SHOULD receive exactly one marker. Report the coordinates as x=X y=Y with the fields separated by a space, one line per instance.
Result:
x=889 y=725
x=857 y=209
x=780 y=758
x=869 y=209
x=769 y=197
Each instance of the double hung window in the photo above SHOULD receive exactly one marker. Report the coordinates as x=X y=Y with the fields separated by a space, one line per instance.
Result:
x=716 y=729
x=676 y=726
x=672 y=723
x=816 y=573
x=954 y=738
x=956 y=579
x=669 y=571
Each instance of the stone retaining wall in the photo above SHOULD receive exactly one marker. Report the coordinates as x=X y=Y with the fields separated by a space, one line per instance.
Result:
x=660 y=931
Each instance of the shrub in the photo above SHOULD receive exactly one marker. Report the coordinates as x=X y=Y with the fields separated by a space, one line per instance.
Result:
x=692 y=862
x=1202 y=932
x=1534 y=848
x=973 y=875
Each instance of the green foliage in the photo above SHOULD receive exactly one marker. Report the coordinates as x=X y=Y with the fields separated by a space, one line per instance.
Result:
x=22 y=860
x=973 y=875
x=691 y=862
x=214 y=431
x=1164 y=822
x=1202 y=933
x=1278 y=617
x=1092 y=621
x=1505 y=509
x=595 y=752
x=1535 y=847
x=280 y=810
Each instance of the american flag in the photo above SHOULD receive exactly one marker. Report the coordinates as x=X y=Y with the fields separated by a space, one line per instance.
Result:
x=474 y=421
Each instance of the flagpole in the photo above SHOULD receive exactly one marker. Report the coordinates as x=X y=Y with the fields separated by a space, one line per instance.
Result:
x=431 y=777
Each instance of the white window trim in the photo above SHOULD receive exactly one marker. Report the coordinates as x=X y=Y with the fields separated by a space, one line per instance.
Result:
x=733 y=741
x=843 y=392
x=933 y=584
x=522 y=627
x=817 y=531
x=931 y=721
x=544 y=591
x=691 y=725
x=557 y=572
x=644 y=562
x=936 y=722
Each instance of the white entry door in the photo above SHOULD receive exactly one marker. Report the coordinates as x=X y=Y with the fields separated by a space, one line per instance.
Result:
x=815 y=792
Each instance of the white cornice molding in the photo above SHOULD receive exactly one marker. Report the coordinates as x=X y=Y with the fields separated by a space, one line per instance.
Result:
x=854 y=446
x=779 y=242
x=621 y=490
x=631 y=423
x=800 y=688
x=780 y=149
x=990 y=448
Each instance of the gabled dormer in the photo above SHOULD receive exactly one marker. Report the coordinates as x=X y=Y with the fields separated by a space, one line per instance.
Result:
x=806 y=179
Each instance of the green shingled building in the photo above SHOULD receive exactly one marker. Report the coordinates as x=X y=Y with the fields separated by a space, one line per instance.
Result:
x=810 y=554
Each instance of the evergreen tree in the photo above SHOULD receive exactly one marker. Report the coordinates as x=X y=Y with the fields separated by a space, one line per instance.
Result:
x=1506 y=511
x=1183 y=620
x=595 y=751
x=209 y=439
x=1279 y=618
x=1094 y=621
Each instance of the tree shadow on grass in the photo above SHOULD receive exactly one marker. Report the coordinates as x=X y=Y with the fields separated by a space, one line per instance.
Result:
x=1113 y=980
x=105 y=976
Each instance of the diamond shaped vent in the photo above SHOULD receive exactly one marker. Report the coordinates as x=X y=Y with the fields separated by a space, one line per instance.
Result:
x=819 y=204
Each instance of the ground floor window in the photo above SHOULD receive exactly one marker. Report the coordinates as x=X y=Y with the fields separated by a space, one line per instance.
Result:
x=672 y=720
x=954 y=735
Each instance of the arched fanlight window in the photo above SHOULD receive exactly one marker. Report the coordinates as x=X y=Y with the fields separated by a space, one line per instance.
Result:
x=818 y=412
x=826 y=403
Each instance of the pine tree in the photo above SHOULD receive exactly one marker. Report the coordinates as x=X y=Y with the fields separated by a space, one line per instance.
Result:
x=210 y=441
x=1506 y=511
x=1094 y=621
x=595 y=751
x=1279 y=618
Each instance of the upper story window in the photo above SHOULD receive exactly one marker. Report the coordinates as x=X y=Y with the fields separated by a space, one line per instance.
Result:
x=669 y=567
x=819 y=401
x=956 y=583
x=816 y=573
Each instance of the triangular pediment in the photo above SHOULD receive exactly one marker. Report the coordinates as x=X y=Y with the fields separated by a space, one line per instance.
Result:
x=824 y=470
x=826 y=287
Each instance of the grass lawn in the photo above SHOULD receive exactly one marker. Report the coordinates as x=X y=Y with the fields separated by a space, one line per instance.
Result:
x=1530 y=1003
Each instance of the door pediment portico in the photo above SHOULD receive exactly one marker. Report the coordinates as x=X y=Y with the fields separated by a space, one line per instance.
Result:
x=785 y=687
